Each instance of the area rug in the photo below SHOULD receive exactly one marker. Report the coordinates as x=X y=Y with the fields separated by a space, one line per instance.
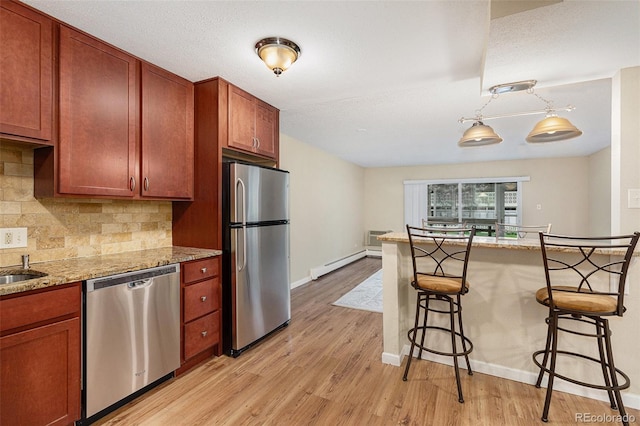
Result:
x=366 y=296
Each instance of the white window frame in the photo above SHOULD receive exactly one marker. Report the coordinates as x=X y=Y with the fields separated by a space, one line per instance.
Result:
x=415 y=195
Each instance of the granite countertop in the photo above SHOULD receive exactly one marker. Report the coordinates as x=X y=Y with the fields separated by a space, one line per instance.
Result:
x=71 y=270
x=503 y=243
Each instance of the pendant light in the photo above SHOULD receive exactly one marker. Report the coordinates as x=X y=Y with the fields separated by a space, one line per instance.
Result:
x=277 y=53
x=479 y=134
x=552 y=128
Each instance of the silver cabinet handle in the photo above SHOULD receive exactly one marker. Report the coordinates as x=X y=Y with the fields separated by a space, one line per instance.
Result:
x=132 y=183
x=203 y=298
x=204 y=333
x=146 y=183
x=203 y=270
x=257 y=142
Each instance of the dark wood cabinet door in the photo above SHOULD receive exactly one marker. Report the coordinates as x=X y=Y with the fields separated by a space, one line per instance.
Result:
x=167 y=135
x=98 y=118
x=40 y=375
x=26 y=73
x=266 y=129
x=242 y=118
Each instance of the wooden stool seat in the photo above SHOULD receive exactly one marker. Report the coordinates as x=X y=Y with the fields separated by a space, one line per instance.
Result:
x=447 y=285
x=583 y=300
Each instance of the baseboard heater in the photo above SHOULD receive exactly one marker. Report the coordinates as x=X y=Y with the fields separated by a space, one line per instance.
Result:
x=336 y=264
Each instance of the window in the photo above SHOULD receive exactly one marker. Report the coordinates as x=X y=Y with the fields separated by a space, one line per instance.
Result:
x=479 y=202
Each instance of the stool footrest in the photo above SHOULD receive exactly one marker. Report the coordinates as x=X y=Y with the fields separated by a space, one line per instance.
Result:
x=622 y=386
x=431 y=327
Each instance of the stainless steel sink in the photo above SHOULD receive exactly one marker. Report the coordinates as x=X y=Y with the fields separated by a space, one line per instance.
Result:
x=8 y=277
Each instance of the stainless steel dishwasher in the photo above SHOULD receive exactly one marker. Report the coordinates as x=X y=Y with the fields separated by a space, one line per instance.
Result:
x=131 y=336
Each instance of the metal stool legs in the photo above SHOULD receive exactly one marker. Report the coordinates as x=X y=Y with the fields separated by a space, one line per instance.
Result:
x=455 y=307
x=609 y=371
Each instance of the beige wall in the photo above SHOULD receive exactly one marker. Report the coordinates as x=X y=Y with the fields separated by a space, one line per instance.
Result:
x=559 y=185
x=326 y=206
x=69 y=228
x=600 y=192
x=625 y=149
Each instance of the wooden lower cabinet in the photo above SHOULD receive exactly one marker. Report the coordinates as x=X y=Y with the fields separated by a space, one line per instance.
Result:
x=40 y=368
x=201 y=311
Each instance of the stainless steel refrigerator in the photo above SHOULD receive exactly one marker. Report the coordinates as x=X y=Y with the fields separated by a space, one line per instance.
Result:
x=256 y=293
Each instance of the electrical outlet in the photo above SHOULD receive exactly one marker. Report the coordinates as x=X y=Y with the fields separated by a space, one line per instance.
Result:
x=13 y=237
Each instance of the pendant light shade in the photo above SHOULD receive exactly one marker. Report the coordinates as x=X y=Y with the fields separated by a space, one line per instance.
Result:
x=479 y=135
x=277 y=53
x=553 y=128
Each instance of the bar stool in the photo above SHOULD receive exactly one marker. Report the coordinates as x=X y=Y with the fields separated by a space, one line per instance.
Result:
x=574 y=273
x=440 y=257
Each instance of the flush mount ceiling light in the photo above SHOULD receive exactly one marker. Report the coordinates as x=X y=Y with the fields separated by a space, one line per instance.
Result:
x=277 y=53
x=552 y=128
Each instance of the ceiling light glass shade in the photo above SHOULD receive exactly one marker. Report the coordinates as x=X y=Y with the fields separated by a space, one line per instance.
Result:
x=479 y=135
x=277 y=53
x=553 y=128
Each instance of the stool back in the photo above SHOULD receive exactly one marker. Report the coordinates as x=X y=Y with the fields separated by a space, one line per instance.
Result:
x=505 y=230
x=443 y=224
x=440 y=251
x=588 y=264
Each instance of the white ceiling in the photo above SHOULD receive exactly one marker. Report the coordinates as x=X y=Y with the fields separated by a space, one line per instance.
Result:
x=383 y=83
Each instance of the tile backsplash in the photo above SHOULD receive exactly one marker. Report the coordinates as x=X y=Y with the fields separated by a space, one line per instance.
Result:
x=70 y=228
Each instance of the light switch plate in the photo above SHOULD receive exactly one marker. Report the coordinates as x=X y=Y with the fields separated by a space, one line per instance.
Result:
x=633 y=198
x=13 y=237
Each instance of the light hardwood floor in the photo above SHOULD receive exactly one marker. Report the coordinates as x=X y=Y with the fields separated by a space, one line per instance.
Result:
x=325 y=369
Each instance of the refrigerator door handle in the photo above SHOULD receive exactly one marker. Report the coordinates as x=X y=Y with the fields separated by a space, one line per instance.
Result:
x=242 y=264
x=240 y=183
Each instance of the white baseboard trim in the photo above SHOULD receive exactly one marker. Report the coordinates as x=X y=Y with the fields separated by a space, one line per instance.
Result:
x=374 y=253
x=630 y=400
x=392 y=359
x=336 y=264
x=299 y=282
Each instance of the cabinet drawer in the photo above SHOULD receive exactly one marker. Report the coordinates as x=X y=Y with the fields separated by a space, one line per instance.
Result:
x=200 y=299
x=200 y=269
x=33 y=308
x=201 y=334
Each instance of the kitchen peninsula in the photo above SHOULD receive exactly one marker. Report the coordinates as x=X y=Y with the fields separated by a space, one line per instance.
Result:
x=501 y=315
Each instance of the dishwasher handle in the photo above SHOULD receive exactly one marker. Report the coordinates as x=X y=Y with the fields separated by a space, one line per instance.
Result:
x=135 y=285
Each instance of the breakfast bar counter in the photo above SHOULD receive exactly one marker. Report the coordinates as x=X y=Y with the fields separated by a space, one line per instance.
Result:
x=501 y=315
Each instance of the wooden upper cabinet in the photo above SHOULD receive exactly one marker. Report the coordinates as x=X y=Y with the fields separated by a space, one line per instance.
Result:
x=167 y=135
x=26 y=74
x=253 y=124
x=98 y=118
x=266 y=129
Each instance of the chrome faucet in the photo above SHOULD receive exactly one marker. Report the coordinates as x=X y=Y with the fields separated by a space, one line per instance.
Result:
x=25 y=261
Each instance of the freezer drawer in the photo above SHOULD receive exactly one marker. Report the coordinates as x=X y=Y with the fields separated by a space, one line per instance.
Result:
x=260 y=296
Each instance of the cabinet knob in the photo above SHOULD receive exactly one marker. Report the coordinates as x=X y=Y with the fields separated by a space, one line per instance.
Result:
x=146 y=183
x=204 y=333
x=132 y=183
x=203 y=270
x=203 y=298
